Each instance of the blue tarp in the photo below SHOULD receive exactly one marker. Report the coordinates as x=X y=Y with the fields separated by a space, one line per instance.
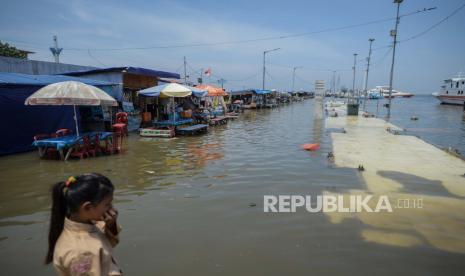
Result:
x=250 y=91
x=261 y=91
x=132 y=70
x=20 y=122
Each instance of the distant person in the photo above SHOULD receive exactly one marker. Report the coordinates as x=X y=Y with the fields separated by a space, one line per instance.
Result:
x=83 y=227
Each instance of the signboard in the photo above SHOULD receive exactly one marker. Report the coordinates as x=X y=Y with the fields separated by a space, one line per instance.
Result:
x=128 y=107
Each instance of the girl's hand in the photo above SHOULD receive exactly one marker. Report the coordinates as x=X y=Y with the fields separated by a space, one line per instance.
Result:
x=110 y=220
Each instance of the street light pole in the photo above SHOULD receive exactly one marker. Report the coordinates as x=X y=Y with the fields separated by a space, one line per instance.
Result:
x=353 y=82
x=366 y=77
x=293 y=76
x=264 y=68
x=394 y=35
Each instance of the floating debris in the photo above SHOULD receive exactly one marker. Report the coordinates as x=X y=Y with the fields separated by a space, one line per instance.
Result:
x=368 y=115
x=414 y=118
x=151 y=172
x=252 y=204
x=330 y=156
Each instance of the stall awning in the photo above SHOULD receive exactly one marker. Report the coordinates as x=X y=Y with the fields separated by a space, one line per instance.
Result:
x=261 y=91
x=166 y=90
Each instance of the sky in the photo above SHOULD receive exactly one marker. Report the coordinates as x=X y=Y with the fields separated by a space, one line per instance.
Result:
x=112 y=33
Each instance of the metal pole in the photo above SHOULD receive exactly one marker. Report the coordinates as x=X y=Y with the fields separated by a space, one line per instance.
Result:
x=353 y=82
x=394 y=34
x=76 y=121
x=264 y=69
x=293 y=78
x=185 y=73
x=366 y=77
x=334 y=83
x=263 y=80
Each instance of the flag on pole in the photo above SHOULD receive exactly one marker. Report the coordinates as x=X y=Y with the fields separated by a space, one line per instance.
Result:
x=208 y=72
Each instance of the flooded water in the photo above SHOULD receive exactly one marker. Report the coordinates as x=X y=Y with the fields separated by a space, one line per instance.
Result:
x=441 y=125
x=194 y=205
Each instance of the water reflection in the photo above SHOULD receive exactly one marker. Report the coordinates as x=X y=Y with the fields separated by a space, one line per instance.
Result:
x=185 y=205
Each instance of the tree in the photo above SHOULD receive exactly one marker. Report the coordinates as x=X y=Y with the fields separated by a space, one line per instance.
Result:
x=11 y=51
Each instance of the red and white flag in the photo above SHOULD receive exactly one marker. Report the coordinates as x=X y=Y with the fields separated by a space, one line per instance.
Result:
x=208 y=72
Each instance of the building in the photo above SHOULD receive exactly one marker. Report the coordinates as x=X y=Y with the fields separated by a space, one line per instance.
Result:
x=37 y=67
x=320 y=88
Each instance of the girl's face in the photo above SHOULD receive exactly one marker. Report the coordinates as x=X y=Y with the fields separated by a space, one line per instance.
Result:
x=96 y=212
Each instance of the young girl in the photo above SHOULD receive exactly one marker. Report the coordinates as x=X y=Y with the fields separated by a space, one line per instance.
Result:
x=83 y=228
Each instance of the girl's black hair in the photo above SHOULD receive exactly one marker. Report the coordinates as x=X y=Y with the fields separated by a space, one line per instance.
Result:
x=66 y=199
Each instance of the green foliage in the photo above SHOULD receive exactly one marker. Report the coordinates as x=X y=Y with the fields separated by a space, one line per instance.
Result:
x=11 y=51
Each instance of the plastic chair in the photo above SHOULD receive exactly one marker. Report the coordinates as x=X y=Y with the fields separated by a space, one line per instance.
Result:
x=88 y=146
x=51 y=153
x=122 y=118
x=80 y=150
x=116 y=144
x=121 y=122
x=95 y=146
x=63 y=132
x=41 y=136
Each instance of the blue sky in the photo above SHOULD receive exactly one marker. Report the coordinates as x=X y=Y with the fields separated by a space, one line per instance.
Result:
x=421 y=63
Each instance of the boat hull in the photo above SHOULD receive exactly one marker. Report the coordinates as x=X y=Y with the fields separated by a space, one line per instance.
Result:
x=455 y=100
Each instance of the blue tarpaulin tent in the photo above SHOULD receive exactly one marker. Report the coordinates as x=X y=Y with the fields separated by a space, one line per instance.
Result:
x=20 y=122
x=261 y=91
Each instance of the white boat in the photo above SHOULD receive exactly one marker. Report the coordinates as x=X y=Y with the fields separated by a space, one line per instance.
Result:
x=384 y=91
x=452 y=91
x=374 y=94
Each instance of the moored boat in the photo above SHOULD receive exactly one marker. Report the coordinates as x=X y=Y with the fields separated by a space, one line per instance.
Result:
x=452 y=91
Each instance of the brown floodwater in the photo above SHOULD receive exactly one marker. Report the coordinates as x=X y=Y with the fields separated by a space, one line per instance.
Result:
x=194 y=206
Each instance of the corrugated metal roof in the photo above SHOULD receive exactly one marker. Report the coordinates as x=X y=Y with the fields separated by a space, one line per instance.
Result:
x=132 y=70
x=40 y=80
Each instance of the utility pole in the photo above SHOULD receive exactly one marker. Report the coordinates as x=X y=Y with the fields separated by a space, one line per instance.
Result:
x=334 y=83
x=185 y=72
x=222 y=82
x=394 y=35
x=366 y=77
x=293 y=76
x=201 y=76
x=264 y=68
x=353 y=82
x=55 y=50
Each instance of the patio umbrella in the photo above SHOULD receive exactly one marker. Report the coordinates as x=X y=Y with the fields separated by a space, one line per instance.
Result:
x=70 y=93
x=166 y=90
x=172 y=90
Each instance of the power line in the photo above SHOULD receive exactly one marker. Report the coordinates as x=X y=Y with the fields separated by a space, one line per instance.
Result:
x=303 y=80
x=434 y=25
x=252 y=40
x=94 y=58
x=246 y=78
x=382 y=59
